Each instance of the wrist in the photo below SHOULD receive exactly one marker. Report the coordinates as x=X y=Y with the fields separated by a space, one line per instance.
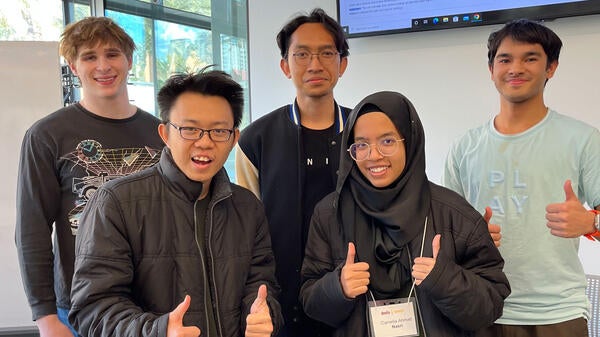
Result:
x=596 y=225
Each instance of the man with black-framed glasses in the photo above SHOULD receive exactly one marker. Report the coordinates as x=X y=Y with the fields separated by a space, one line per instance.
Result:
x=289 y=157
x=177 y=249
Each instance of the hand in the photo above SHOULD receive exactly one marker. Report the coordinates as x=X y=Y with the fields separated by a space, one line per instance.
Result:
x=175 y=326
x=258 y=322
x=492 y=228
x=569 y=219
x=423 y=265
x=51 y=326
x=355 y=276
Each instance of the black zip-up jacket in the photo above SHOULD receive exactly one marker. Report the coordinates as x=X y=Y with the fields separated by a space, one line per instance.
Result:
x=269 y=163
x=137 y=256
x=463 y=293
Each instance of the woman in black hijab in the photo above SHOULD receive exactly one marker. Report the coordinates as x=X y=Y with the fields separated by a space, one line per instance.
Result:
x=388 y=242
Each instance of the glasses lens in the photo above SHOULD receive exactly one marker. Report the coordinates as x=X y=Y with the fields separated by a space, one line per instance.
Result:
x=304 y=58
x=387 y=146
x=190 y=133
x=220 y=135
x=359 y=151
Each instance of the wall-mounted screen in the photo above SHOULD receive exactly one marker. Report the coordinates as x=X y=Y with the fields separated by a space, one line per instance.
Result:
x=377 y=17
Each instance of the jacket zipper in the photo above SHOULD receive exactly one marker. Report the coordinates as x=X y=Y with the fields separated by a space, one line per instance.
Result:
x=212 y=261
x=203 y=264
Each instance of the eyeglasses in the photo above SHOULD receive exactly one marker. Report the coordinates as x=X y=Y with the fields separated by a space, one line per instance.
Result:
x=191 y=133
x=303 y=58
x=387 y=147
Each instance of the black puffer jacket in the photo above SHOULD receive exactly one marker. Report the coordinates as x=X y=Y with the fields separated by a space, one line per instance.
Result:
x=137 y=256
x=467 y=282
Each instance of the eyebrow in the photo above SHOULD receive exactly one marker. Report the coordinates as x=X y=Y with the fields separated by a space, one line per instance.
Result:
x=388 y=134
x=509 y=55
x=219 y=124
x=322 y=47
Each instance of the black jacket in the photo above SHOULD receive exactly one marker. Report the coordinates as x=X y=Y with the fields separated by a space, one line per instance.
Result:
x=137 y=255
x=466 y=283
x=270 y=165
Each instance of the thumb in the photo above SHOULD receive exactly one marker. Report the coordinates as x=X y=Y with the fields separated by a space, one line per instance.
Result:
x=487 y=216
x=435 y=245
x=351 y=253
x=569 y=194
x=177 y=314
x=261 y=299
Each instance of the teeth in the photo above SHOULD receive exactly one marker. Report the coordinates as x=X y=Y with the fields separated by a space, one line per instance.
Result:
x=377 y=169
x=201 y=158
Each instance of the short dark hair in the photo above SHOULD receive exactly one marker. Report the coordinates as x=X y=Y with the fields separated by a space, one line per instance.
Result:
x=317 y=15
x=205 y=82
x=528 y=31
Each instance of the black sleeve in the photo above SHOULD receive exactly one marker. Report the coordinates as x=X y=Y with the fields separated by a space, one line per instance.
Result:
x=321 y=294
x=38 y=205
x=101 y=295
x=471 y=291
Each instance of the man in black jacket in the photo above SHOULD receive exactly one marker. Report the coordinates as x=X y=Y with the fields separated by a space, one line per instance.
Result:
x=178 y=250
x=289 y=157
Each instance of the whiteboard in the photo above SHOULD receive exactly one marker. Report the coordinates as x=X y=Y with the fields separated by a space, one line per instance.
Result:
x=30 y=89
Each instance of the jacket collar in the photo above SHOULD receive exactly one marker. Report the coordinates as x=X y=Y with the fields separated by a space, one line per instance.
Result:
x=340 y=117
x=189 y=188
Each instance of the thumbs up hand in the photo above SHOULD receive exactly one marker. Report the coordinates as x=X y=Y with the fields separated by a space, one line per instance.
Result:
x=355 y=275
x=569 y=219
x=258 y=322
x=175 y=326
x=423 y=265
x=494 y=229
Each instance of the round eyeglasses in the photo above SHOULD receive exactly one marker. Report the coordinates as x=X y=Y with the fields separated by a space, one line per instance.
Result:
x=387 y=147
x=304 y=57
x=191 y=133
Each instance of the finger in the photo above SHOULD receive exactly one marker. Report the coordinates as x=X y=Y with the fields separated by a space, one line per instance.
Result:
x=261 y=299
x=435 y=245
x=569 y=194
x=180 y=310
x=351 y=253
x=488 y=214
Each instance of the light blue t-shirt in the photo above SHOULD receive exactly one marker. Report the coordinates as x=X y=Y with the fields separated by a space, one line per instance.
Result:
x=518 y=176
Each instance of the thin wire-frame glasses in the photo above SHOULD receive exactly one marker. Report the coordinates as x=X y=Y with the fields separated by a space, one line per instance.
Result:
x=192 y=133
x=304 y=57
x=386 y=147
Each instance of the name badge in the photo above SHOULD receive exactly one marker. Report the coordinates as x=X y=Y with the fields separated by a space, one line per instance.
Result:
x=393 y=318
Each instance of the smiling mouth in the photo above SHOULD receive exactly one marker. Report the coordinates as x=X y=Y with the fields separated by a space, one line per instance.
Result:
x=201 y=160
x=106 y=80
x=378 y=169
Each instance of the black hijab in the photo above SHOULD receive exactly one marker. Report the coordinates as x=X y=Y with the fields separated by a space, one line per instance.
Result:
x=382 y=222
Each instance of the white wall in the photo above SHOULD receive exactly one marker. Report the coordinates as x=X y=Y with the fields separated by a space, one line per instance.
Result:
x=30 y=89
x=444 y=74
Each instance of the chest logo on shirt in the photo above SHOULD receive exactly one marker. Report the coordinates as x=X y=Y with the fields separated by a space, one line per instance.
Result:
x=310 y=161
x=498 y=180
x=92 y=166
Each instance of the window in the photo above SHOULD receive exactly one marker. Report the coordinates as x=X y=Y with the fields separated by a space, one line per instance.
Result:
x=31 y=20
x=170 y=36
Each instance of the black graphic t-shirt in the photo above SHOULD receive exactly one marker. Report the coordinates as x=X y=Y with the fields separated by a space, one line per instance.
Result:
x=318 y=180
x=65 y=158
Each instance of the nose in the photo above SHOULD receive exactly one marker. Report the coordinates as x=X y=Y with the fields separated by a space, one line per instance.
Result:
x=315 y=62
x=103 y=64
x=374 y=153
x=204 y=141
x=516 y=67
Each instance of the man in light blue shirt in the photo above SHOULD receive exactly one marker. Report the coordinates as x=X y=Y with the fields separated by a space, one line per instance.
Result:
x=534 y=168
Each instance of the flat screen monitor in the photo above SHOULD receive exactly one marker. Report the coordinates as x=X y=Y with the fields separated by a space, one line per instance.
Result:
x=378 y=17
